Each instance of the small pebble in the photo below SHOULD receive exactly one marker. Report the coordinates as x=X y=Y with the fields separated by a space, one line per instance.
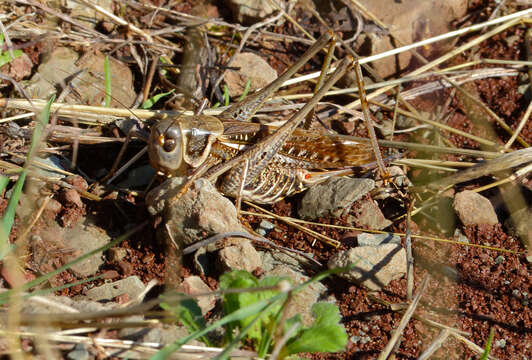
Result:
x=500 y=343
x=499 y=259
x=265 y=227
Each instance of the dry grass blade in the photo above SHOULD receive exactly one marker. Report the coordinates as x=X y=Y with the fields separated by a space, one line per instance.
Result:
x=502 y=163
x=404 y=321
x=436 y=344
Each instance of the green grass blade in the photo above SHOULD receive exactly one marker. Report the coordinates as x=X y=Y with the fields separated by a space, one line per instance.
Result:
x=148 y=104
x=107 y=70
x=246 y=90
x=226 y=96
x=487 y=349
x=4 y=180
x=6 y=223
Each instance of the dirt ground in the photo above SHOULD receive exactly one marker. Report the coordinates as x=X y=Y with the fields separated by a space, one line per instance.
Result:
x=471 y=289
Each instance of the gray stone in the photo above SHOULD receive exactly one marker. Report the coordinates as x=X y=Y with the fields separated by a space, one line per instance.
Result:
x=410 y=21
x=459 y=236
x=250 y=11
x=264 y=228
x=161 y=334
x=116 y=253
x=374 y=266
x=201 y=212
x=499 y=259
x=86 y=14
x=368 y=215
x=252 y=68
x=302 y=301
x=51 y=304
x=274 y=258
x=80 y=352
x=84 y=239
x=474 y=209
x=240 y=256
x=194 y=285
x=72 y=242
x=333 y=197
x=131 y=286
x=62 y=63
x=367 y=239
x=53 y=162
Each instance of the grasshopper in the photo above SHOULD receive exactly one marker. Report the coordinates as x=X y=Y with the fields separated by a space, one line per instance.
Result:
x=255 y=162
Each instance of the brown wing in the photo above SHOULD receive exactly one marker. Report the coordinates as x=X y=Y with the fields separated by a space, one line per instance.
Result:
x=311 y=149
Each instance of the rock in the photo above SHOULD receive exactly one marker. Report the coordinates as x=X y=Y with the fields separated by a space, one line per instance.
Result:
x=86 y=14
x=474 y=209
x=333 y=197
x=302 y=302
x=410 y=21
x=63 y=304
x=459 y=236
x=84 y=239
x=161 y=334
x=18 y=68
x=201 y=212
x=116 y=253
x=59 y=66
x=240 y=256
x=366 y=239
x=53 y=162
x=70 y=197
x=194 y=285
x=374 y=266
x=274 y=258
x=80 y=352
x=248 y=12
x=368 y=215
x=131 y=286
x=72 y=242
x=252 y=68
x=77 y=182
x=264 y=228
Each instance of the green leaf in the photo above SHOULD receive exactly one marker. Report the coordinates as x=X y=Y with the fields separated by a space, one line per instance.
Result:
x=148 y=104
x=234 y=301
x=107 y=71
x=5 y=57
x=188 y=312
x=325 y=334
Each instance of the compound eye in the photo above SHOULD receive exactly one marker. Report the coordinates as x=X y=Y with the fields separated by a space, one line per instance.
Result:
x=170 y=140
x=169 y=144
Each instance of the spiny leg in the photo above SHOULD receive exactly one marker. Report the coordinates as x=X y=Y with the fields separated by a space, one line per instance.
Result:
x=324 y=70
x=260 y=154
x=113 y=172
x=245 y=109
